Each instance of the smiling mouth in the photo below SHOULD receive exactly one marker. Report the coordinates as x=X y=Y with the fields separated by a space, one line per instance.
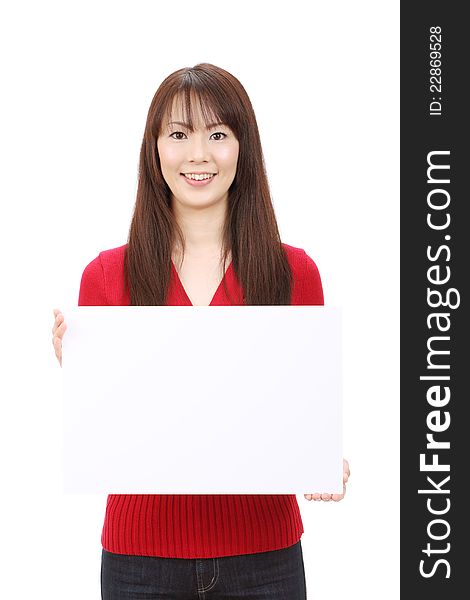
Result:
x=198 y=176
x=196 y=180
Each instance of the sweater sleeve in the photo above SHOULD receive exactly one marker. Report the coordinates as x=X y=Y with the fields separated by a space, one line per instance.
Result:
x=92 y=285
x=312 y=290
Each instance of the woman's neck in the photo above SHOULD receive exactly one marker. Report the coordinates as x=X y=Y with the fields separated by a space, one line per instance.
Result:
x=202 y=230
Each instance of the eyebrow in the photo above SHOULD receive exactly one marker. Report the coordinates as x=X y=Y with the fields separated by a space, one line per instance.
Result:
x=210 y=126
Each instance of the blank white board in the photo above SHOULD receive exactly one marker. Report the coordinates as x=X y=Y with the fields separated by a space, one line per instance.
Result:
x=202 y=400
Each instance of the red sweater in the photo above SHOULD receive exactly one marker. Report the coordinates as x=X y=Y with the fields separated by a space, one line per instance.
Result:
x=196 y=526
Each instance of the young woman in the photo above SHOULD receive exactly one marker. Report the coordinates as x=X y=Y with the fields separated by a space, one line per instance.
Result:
x=203 y=203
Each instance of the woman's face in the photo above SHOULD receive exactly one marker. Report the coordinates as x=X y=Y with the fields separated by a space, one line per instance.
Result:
x=211 y=152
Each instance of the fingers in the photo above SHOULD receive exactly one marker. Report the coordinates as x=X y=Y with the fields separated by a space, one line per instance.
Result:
x=58 y=331
x=57 y=315
x=318 y=496
x=311 y=496
x=58 y=319
x=326 y=497
x=59 y=326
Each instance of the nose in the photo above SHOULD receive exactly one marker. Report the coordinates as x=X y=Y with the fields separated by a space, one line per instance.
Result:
x=198 y=148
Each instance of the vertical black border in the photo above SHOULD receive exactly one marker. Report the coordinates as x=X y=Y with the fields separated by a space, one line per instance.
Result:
x=422 y=133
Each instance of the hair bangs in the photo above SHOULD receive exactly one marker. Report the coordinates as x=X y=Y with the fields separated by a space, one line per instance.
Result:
x=192 y=101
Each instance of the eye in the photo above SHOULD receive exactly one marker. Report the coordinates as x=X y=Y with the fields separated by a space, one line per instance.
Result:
x=220 y=133
x=177 y=133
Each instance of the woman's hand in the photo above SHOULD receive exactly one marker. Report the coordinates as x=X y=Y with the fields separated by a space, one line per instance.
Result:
x=58 y=333
x=334 y=497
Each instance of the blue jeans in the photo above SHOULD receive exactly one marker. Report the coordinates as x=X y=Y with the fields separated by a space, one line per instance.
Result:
x=273 y=575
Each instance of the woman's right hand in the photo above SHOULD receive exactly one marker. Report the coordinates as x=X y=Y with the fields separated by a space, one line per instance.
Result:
x=58 y=333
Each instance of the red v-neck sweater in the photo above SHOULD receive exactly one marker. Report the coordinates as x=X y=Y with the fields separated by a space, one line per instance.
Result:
x=196 y=526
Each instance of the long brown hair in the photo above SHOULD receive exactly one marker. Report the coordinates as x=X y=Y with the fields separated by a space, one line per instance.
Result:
x=250 y=231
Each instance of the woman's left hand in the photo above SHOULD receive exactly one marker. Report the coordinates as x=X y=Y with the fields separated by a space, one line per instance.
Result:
x=334 y=497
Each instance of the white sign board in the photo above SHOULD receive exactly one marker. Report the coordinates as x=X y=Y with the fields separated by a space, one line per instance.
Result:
x=202 y=400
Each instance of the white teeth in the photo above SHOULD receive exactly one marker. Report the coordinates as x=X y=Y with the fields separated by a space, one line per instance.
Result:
x=198 y=177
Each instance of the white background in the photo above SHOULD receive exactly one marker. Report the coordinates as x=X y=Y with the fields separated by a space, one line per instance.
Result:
x=77 y=82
